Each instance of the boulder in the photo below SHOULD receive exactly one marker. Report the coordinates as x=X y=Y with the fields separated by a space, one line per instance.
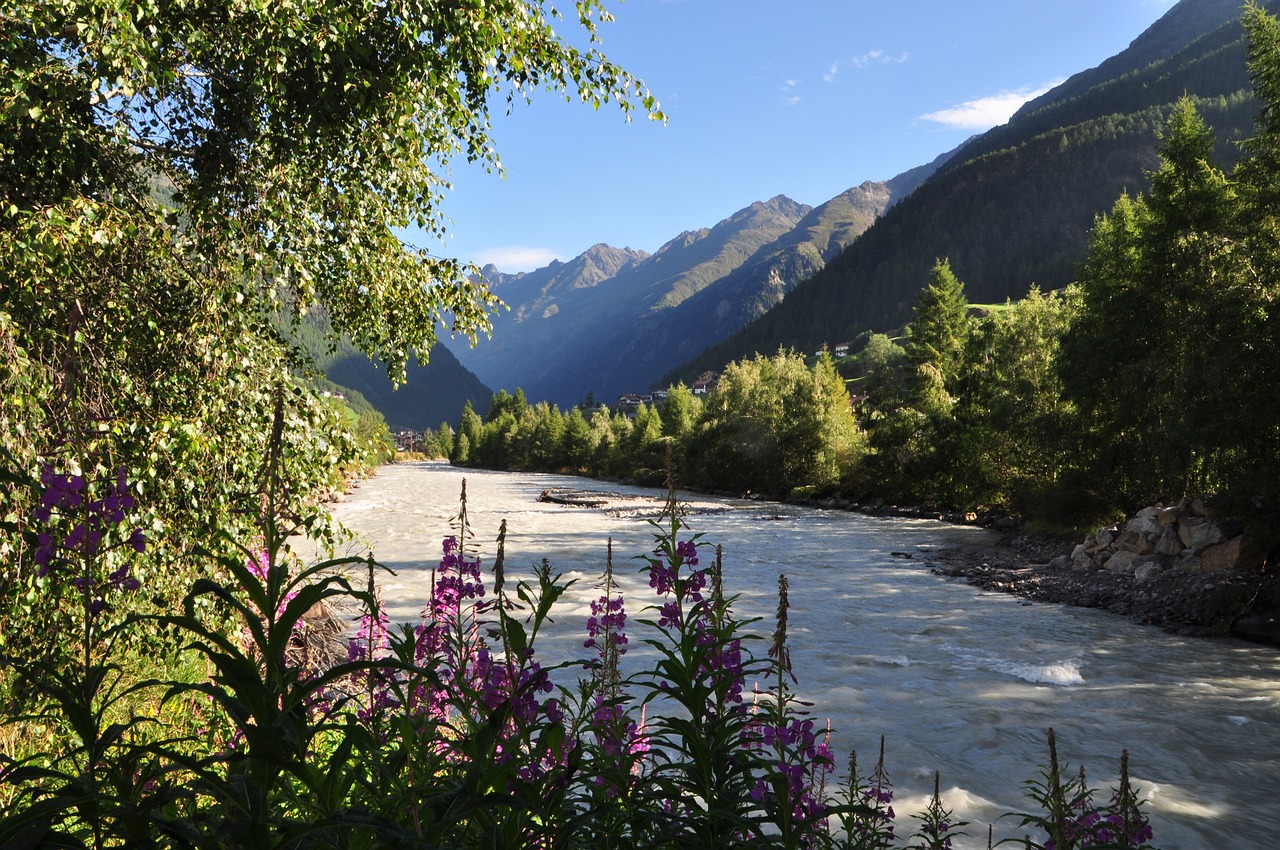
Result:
x=1262 y=628
x=1146 y=524
x=1105 y=536
x=1126 y=541
x=1239 y=554
x=1198 y=533
x=1123 y=562
x=1082 y=561
x=1170 y=516
x=1170 y=543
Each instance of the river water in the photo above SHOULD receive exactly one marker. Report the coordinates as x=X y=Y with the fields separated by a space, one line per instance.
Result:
x=957 y=680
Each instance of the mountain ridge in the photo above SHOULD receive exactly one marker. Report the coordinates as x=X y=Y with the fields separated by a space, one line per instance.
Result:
x=622 y=333
x=1013 y=208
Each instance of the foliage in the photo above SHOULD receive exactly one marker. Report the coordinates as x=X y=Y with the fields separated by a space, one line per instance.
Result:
x=772 y=425
x=1178 y=307
x=1071 y=820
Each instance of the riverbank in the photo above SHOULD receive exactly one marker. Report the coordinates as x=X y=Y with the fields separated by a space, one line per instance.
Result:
x=1243 y=605
x=1039 y=568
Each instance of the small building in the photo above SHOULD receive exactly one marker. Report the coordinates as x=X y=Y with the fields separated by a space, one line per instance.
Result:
x=706 y=383
x=628 y=403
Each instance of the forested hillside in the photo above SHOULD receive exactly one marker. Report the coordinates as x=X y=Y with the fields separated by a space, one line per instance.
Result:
x=1013 y=208
x=432 y=392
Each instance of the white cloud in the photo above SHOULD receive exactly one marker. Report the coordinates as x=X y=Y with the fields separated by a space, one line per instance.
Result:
x=986 y=112
x=515 y=258
x=871 y=57
x=787 y=88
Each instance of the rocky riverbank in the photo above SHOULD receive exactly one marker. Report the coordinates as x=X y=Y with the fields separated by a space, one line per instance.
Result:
x=1171 y=567
x=1245 y=604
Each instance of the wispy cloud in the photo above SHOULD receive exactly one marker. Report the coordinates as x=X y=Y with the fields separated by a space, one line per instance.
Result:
x=986 y=112
x=872 y=57
x=515 y=258
x=788 y=88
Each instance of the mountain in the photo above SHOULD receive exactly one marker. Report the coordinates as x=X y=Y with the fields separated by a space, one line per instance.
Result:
x=616 y=320
x=1013 y=207
x=435 y=391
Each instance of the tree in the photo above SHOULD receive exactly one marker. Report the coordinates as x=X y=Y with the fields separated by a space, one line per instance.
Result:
x=467 y=436
x=174 y=177
x=1160 y=289
x=773 y=425
x=1016 y=433
x=680 y=411
x=940 y=325
x=305 y=141
x=911 y=415
x=577 y=445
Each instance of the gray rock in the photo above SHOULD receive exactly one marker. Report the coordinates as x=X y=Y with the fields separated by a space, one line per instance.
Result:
x=1123 y=562
x=1147 y=525
x=1082 y=561
x=1170 y=543
x=1198 y=533
x=1148 y=571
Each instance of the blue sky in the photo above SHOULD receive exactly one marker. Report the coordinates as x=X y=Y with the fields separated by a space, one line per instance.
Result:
x=804 y=98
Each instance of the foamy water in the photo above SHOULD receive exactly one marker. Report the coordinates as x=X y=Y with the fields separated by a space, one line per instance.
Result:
x=957 y=679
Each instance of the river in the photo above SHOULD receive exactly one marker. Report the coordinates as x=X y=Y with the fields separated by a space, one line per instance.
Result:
x=957 y=680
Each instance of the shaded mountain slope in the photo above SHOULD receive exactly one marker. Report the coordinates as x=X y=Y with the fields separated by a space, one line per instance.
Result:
x=563 y=338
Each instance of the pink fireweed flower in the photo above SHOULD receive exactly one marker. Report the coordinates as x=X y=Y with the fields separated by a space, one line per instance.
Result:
x=74 y=530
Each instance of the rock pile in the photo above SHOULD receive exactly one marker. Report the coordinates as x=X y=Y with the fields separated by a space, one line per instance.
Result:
x=1183 y=538
x=1173 y=567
